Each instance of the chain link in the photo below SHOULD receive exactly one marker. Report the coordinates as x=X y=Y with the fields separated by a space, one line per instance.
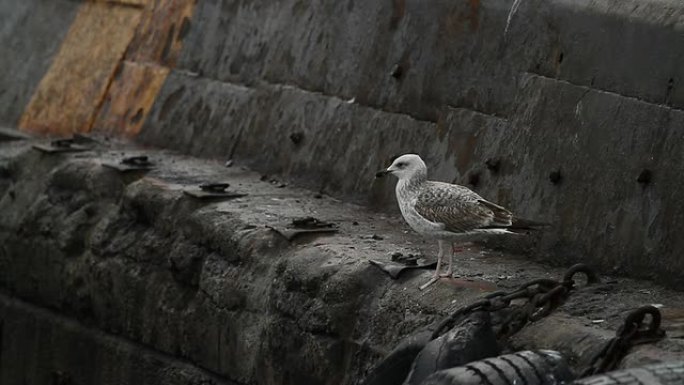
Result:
x=542 y=295
x=634 y=331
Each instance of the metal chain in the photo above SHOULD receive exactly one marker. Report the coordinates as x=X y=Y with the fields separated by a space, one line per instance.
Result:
x=634 y=331
x=543 y=295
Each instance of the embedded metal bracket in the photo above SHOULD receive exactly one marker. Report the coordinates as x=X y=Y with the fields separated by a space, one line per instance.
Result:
x=305 y=226
x=131 y=163
x=58 y=146
x=213 y=191
x=394 y=269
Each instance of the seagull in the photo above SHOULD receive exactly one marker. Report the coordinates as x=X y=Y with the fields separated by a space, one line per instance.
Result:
x=447 y=212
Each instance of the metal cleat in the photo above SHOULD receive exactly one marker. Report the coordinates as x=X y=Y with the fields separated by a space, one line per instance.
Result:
x=213 y=191
x=60 y=146
x=131 y=163
x=394 y=270
x=305 y=226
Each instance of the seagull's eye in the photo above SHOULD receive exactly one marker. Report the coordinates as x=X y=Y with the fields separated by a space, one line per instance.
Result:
x=401 y=164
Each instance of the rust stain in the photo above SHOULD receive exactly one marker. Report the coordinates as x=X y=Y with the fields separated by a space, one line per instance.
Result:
x=474 y=15
x=398 y=14
x=130 y=98
x=163 y=27
x=135 y=3
x=673 y=321
x=472 y=284
x=153 y=51
x=465 y=149
x=441 y=126
x=67 y=98
x=452 y=23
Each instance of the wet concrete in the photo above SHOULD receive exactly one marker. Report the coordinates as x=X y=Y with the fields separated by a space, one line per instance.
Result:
x=192 y=283
x=577 y=102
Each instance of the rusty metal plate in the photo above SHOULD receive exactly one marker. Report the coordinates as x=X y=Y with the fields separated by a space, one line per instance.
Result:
x=70 y=93
x=299 y=227
x=160 y=36
x=131 y=163
x=49 y=148
x=130 y=98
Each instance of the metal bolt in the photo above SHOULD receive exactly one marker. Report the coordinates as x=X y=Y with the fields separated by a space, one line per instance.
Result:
x=474 y=179
x=62 y=143
x=493 y=165
x=645 y=176
x=297 y=137
x=397 y=71
x=140 y=161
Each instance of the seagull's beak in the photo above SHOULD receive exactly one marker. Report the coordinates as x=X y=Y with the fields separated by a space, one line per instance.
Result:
x=382 y=173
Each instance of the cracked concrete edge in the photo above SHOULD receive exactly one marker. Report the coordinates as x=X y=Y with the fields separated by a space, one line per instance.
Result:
x=226 y=239
x=40 y=334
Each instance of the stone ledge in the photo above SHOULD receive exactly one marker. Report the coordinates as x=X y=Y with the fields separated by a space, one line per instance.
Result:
x=206 y=283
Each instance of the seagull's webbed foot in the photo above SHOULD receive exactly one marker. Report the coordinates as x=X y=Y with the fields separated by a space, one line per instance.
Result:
x=449 y=274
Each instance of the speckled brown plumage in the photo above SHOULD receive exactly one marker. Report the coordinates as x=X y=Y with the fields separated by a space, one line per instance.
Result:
x=459 y=209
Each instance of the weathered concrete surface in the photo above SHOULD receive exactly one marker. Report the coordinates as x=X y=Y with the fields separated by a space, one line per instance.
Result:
x=588 y=90
x=465 y=53
x=31 y=31
x=210 y=286
x=59 y=350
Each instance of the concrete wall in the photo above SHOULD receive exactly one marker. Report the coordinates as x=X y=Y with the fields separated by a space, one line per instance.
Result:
x=588 y=89
x=326 y=92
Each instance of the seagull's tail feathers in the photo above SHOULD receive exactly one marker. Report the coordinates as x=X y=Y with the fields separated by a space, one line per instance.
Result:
x=527 y=224
x=519 y=225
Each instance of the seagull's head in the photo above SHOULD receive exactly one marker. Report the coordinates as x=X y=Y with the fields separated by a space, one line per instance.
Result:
x=405 y=167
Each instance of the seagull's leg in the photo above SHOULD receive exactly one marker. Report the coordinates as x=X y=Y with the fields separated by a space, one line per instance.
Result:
x=440 y=256
x=455 y=249
x=459 y=248
x=436 y=276
x=450 y=271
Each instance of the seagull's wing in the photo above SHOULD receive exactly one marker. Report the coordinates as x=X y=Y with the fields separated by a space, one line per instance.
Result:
x=459 y=208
